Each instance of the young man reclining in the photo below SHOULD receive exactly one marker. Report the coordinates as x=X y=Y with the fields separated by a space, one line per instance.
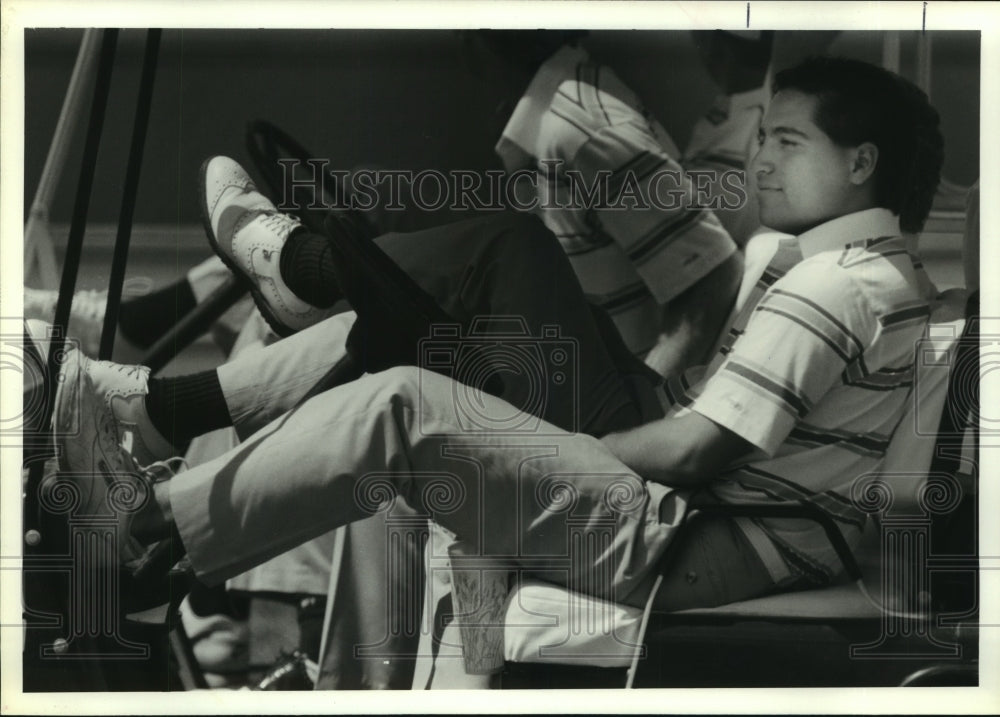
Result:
x=801 y=398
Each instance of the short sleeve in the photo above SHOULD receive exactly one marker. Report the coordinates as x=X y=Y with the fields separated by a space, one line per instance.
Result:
x=806 y=329
x=650 y=210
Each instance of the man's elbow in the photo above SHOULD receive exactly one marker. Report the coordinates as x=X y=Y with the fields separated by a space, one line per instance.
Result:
x=710 y=448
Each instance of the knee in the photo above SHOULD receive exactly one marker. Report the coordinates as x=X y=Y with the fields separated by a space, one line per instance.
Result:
x=421 y=391
x=400 y=381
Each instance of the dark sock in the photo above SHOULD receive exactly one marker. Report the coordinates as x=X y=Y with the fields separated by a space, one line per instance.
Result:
x=307 y=268
x=184 y=407
x=144 y=319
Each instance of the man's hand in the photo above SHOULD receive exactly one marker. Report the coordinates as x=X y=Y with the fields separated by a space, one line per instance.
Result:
x=678 y=452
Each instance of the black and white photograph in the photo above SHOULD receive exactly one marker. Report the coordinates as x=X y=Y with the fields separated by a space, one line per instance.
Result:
x=607 y=356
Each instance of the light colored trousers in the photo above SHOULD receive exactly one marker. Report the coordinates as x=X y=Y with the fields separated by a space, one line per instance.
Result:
x=261 y=384
x=282 y=380
x=555 y=504
x=366 y=583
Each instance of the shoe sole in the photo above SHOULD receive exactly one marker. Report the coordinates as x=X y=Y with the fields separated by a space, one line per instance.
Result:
x=258 y=298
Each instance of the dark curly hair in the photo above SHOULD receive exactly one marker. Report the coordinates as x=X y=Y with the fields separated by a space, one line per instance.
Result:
x=859 y=102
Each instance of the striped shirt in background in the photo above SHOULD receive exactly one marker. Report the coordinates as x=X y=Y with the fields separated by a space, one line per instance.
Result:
x=815 y=371
x=577 y=116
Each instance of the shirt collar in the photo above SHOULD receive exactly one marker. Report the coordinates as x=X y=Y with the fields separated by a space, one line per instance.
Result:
x=522 y=127
x=839 y=232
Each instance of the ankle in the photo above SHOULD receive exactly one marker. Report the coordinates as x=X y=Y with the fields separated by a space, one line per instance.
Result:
x=184 y=407
x=306 y=267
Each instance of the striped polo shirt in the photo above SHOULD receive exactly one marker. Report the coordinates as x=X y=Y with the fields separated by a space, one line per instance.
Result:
x=578 y=128
x=815 y=371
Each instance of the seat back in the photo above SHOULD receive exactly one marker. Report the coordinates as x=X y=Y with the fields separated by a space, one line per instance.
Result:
x=918 y=494
x=954 y=537
x=910 y=456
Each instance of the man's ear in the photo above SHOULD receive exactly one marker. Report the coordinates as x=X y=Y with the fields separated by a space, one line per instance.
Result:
x=863 y=160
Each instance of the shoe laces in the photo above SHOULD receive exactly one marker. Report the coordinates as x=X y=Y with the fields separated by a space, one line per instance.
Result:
x=131 y=372
x=159 y=471
x=279 y=223
x=155 y=472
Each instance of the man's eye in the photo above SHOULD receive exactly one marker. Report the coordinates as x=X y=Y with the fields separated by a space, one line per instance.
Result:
x=788 y=143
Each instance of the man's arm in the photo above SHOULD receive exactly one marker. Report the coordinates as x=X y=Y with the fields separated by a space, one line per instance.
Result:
x=808 y=328
x=682 y=452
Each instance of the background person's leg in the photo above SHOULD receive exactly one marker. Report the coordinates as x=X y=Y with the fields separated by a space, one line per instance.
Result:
x=497 y=273
x=497 y=267
x=144 y=316
x=500 y=267
x=204 y=278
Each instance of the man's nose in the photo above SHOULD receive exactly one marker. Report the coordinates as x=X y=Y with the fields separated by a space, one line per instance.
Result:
x=761 y=163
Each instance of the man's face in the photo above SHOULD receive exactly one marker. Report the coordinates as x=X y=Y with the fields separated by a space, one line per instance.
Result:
x=802 y=178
